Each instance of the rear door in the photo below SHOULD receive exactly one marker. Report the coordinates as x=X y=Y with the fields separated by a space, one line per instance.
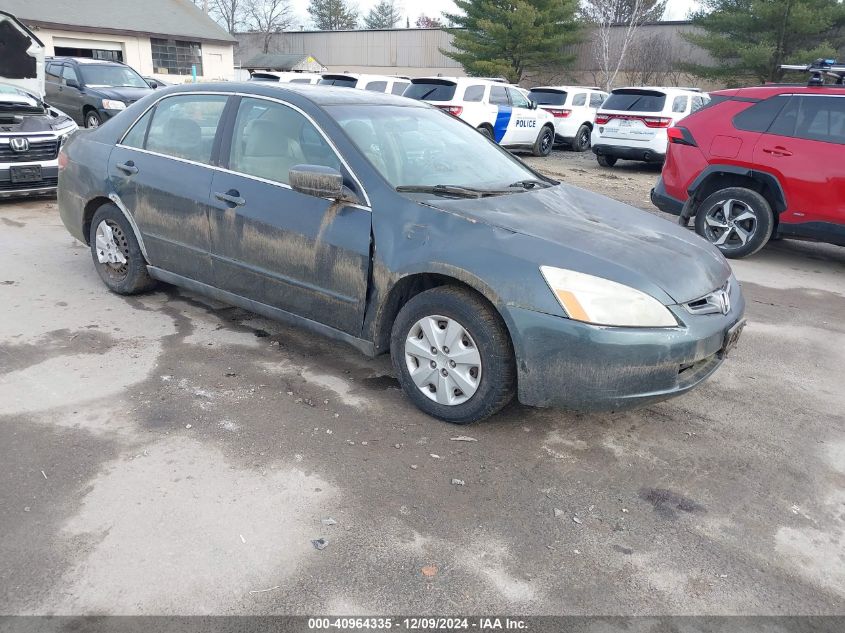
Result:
x=632 y=115
x=804 y=148
x=306 y=255
x=161 y=171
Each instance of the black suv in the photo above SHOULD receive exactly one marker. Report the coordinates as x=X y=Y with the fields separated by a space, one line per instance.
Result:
x=92 y=90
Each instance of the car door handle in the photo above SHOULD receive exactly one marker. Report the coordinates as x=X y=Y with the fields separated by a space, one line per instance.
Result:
x=232 y=197
x=128 y=168
x=777 y=151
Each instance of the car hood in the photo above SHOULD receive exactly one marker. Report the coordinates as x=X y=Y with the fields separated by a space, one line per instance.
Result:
x=127 y=95
x=603 y=237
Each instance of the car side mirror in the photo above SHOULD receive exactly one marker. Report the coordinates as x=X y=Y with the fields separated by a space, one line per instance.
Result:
x=72 y=83
x=320 y=182
x=533 y=104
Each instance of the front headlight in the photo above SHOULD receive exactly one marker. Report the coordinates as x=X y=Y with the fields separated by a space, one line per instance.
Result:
x=603 y=302
x=111 y=104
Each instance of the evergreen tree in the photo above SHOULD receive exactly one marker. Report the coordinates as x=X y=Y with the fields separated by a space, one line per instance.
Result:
x=333 y=15
x=384 y=15
x=750 y=39
x=508 y=37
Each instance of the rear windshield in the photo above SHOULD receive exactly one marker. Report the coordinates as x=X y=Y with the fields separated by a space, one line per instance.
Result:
x=547 y=97
x=635 y=101
x=331 y=80
x=263 y=77
x=431 y=90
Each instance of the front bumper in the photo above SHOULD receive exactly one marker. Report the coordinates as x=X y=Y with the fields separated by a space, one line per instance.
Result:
x=645 y=154
x=576 y=366
x=46 y=186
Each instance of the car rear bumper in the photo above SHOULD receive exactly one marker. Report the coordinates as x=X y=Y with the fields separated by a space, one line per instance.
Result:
x=664 y=201
x=577 y=366
x=645 y=154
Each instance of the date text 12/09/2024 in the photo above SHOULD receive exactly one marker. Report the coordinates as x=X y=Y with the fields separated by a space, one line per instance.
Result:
x=419 y=624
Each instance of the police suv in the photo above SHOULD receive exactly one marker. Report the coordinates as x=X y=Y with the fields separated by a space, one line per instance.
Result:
x=499 y=111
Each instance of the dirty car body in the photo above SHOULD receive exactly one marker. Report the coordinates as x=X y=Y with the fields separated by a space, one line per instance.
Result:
x=345 y=265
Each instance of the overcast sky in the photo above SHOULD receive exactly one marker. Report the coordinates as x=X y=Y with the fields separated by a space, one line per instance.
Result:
x=676 y=9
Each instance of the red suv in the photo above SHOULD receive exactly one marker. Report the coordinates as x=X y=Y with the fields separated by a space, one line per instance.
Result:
x=759 y=162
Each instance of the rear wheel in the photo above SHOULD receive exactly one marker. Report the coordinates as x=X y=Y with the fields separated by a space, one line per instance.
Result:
x=453 y=356
x=545 y=141
x=117 y=254
x=606 y=161
x=738 y=221
x=581 y=142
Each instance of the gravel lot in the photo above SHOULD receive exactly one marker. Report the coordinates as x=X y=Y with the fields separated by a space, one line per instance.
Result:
x=166 y=454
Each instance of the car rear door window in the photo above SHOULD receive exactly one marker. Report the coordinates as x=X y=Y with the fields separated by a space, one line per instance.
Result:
x=376 y=86
x=760 y=116
x=269 y=138
x=579 y=99
x=499 y=96
x=679 y=104
x=185 y=126
x=474 y=93
x=138 y=134
x=68 y=73
x=821 y=118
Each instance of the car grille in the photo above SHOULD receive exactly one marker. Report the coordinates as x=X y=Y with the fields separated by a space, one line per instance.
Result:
x=23 y=186
x=38 y=151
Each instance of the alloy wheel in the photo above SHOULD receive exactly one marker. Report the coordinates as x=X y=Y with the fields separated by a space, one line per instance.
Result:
x=92 y=122
x=730 y=224
x=443 y=360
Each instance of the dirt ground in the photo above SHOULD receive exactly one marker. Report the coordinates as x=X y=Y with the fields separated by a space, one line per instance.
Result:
x=167 y=454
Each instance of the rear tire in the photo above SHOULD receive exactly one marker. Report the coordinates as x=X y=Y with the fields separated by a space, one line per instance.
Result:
x=581 y=142
x=480 y=344
x=545 y=141
x=736 y=220
x=606 y=161
x=111 y=236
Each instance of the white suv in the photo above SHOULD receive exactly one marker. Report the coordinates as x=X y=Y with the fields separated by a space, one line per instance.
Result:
x=573 y=108
x=501 y=112
x=373 y=83
x=632 y=123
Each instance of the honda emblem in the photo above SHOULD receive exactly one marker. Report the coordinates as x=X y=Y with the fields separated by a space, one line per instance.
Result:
x=19 y=144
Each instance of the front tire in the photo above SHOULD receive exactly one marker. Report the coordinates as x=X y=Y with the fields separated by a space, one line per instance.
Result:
x=545 y=141
x=117 y=254
x=736 y=220
x=606 y=161
x=581 y=142
x=92 y=119
x=453 y=356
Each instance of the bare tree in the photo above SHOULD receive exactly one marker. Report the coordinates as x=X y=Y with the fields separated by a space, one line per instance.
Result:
x=268 y=17
x=228 y=13
x=616 y=23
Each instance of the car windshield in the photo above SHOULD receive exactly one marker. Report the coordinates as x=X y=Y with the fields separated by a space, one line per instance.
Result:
x=635 y=101
x=548 y=97
x=16 y=100
x=431 y=90
x=424 y=147
x=104 y=76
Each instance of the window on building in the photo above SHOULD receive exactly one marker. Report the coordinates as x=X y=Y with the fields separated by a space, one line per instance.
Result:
x=176 y=57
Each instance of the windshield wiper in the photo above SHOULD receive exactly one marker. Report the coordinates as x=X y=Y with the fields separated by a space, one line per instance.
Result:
x=530 y=183
x=453 y=190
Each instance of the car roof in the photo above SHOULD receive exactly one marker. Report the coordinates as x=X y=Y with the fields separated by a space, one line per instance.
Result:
x=316 y=94
x=770 y=90
x=463 y=80
x=85 y=60
x=665 y=89
x=568 y=88
x=360 y=76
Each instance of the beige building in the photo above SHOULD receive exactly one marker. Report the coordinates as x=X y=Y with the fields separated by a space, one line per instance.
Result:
x=166 y=39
